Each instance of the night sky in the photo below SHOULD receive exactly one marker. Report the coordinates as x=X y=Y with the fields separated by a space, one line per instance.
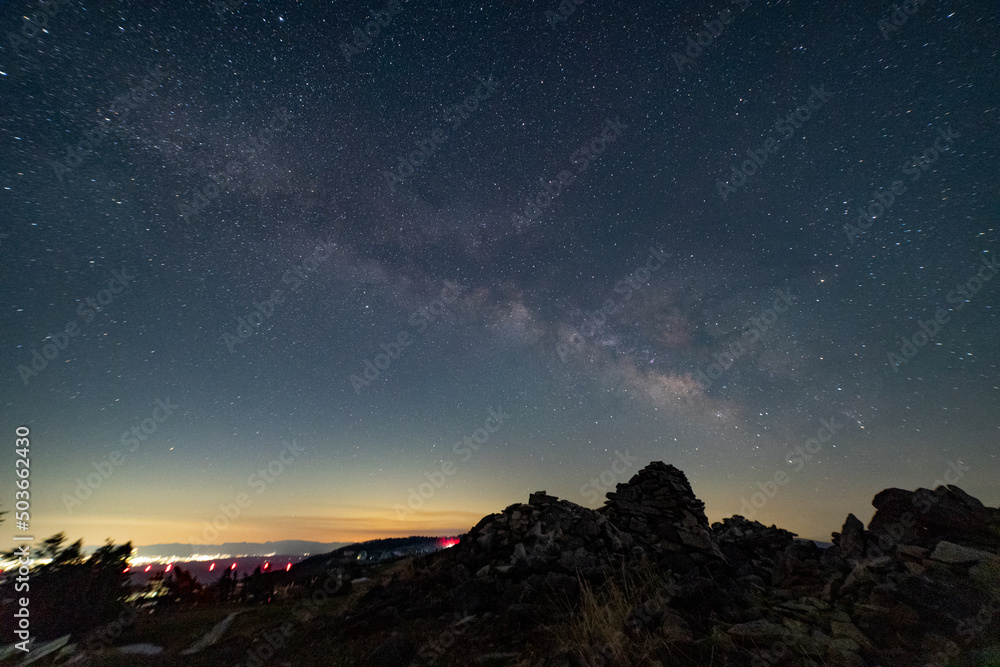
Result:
x=342 y=286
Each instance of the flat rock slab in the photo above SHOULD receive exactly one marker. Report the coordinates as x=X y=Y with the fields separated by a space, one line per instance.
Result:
x=211 y=636
x=955 y=554
x=39 y=652
x=141 y=649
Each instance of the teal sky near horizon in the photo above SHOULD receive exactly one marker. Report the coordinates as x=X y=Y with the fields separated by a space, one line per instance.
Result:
x=300 y=290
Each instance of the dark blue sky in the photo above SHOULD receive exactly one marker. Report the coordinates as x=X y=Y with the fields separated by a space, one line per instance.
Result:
x=486 y=209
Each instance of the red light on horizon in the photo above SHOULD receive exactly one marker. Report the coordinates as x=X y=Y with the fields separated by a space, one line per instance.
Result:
x=267 y=565
x=211 y=567
x=233 y=567
x=169 y=567
x=448 y=542
x=288 y=567
x=148 y=567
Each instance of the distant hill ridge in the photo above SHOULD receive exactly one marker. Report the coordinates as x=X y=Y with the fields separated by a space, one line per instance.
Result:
x=282 y=547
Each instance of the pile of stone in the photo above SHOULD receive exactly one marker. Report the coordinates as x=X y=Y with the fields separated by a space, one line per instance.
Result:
x=742 y=540
x=546 y=534
x=659 y=508
x=763 y=556
x=924 y=518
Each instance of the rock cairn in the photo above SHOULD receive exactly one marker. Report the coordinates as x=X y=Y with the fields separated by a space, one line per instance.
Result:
x=659 y=507
x=542 y=535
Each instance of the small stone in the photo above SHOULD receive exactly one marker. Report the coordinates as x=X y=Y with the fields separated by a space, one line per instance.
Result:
x=845 y=644
x=912 y=551
x=760 y=632
x=850 y=631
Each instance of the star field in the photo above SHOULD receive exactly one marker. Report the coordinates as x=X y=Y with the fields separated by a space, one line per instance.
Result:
x=710 y=235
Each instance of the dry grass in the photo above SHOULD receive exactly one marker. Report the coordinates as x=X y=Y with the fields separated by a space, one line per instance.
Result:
x=596 y=632
x=401 y=570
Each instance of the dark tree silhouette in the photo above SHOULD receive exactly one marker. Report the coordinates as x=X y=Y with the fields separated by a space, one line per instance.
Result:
x=223 y=589
x=258 y=587
x=73 y=594
x=182 y=587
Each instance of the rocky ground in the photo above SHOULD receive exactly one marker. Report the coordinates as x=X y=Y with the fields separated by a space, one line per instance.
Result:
x=920 y=586
x=646 y=580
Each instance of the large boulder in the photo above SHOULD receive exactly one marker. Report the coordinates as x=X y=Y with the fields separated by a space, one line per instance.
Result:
x=924 y=518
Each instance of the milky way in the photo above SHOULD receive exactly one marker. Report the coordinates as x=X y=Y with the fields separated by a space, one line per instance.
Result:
x=756 y=240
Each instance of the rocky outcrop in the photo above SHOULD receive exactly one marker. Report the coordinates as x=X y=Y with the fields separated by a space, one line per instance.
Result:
x=920 y=585
x=922 y=580
x=658 y=507
x=645 y=580
x=656 y=513
x=924 y=518
x=544 y=535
